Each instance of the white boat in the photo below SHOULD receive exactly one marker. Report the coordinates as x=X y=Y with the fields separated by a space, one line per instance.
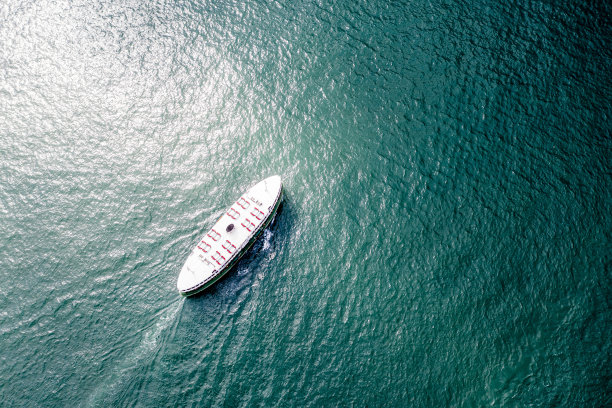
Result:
x=230 y=237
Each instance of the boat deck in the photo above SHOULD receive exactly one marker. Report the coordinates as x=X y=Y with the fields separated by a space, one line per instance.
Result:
x=217 y=250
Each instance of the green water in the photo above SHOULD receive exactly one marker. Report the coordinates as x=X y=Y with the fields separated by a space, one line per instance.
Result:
x=444 y=238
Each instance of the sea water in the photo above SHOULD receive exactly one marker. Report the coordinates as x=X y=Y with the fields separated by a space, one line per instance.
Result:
x=444 y=238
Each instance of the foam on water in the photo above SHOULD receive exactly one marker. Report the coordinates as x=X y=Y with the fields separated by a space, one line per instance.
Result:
x=120 y=378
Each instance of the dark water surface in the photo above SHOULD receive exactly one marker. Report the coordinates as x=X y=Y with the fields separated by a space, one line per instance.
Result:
x=444 y=238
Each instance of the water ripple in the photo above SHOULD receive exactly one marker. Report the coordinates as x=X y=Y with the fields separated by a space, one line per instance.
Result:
x=443 y=236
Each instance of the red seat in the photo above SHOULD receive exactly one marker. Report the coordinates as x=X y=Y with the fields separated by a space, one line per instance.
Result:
x=230 y=248
x=248 y=225
x=243 y=203
x=214 y=235
x=233 y=213
x=257 y=213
